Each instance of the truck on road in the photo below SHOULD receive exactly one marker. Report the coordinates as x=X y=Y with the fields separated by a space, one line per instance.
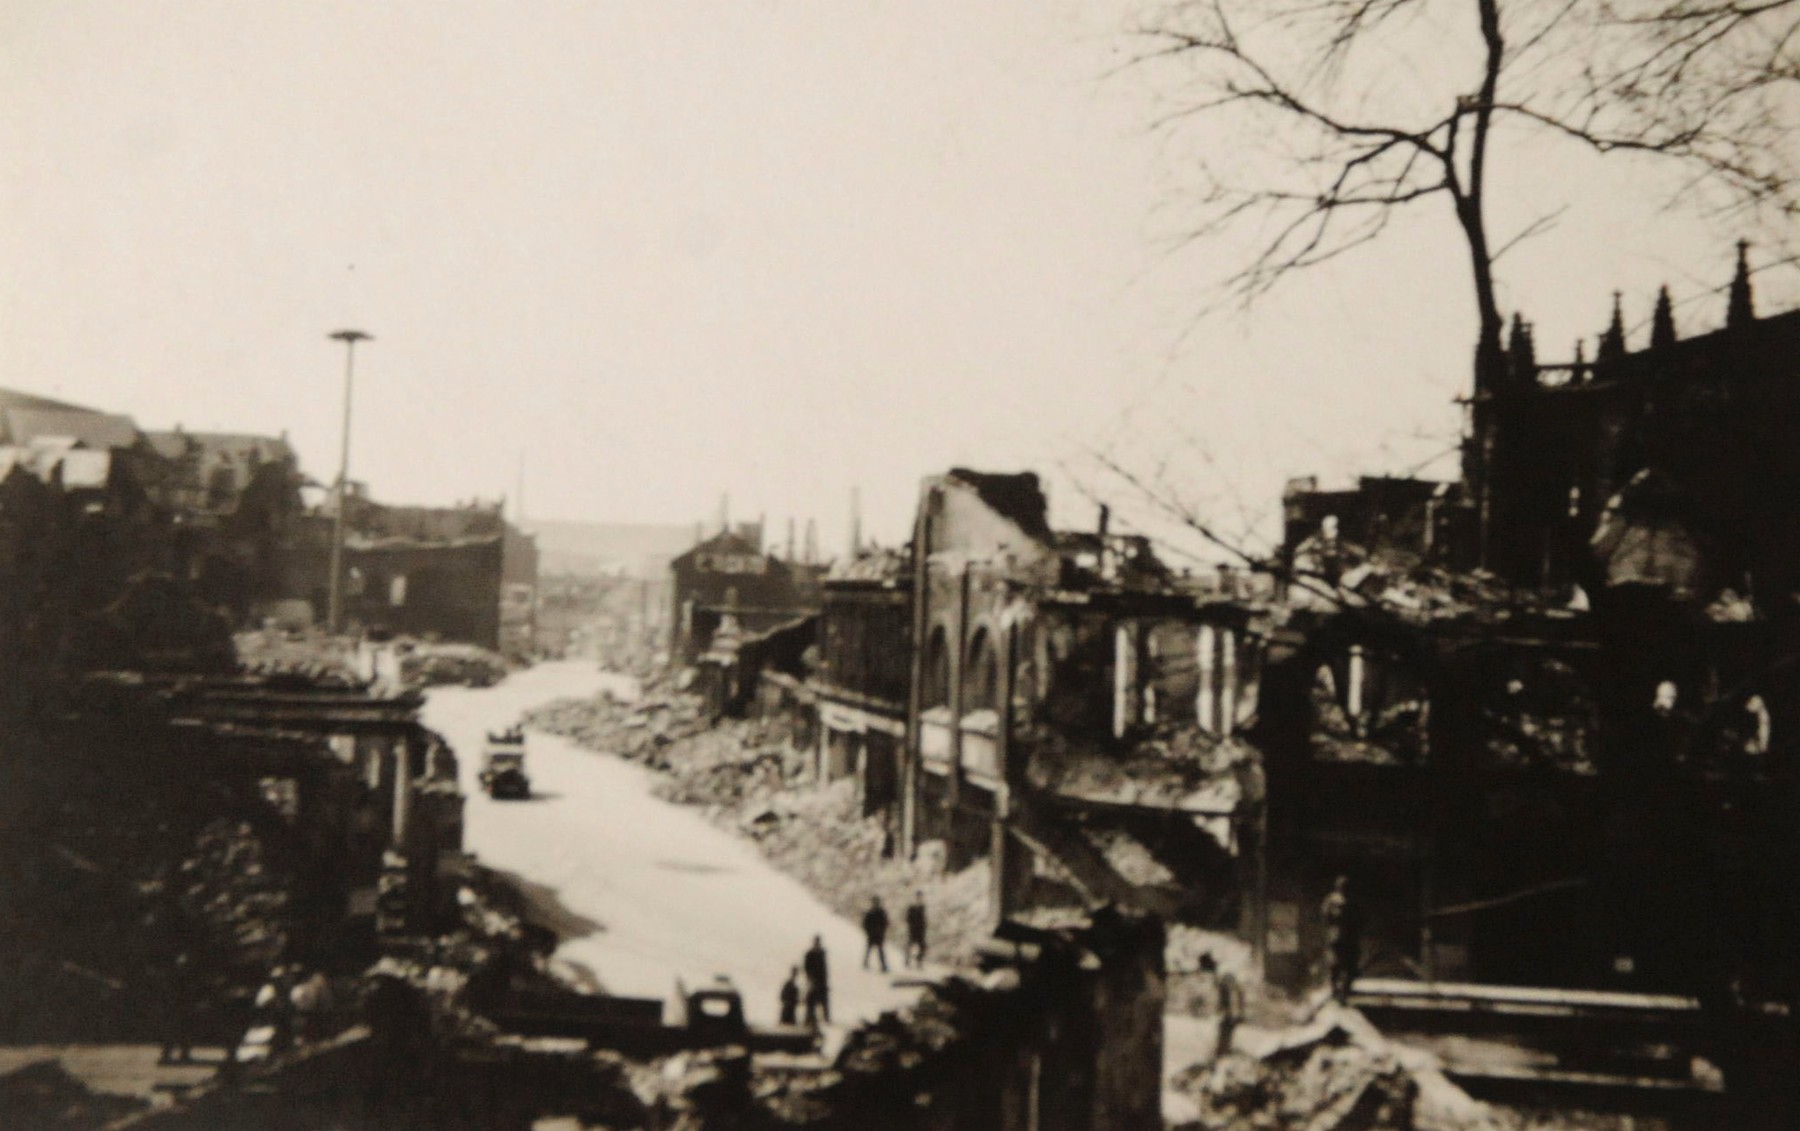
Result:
x=503 y=765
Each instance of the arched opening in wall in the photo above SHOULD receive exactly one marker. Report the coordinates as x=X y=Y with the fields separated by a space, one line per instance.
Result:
x=1369 y=704
x=981 y=686
x=937 y=670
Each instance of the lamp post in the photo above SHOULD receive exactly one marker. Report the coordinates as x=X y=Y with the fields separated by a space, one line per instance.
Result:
x=349 y=338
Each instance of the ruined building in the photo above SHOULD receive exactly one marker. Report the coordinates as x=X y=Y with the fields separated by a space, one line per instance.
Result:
x=1575 y=767
x=1056 y=702
x=462 y=574
x=728 y=580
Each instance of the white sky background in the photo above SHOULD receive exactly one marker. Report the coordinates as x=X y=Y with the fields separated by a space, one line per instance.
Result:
x=670 y=248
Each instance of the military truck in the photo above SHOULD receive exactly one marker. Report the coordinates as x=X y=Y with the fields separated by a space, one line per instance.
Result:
x=503 y=765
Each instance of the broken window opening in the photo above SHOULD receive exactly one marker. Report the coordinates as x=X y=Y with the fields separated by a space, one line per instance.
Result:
x=981 y=688
x=937 y=670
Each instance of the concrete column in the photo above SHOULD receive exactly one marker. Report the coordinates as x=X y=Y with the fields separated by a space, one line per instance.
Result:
x=1124 y=680
x=1228 y=681
x=1147 y=698
x=402 y=793
x=959 y=645
x=921 y=628
x=1004 y=851
x=1206 y=704
x=955 y=858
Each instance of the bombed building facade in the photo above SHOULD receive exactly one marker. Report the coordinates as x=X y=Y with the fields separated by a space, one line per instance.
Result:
x=1541 y=719
x=462 y=574
x=1542 y=715
x=226 y=512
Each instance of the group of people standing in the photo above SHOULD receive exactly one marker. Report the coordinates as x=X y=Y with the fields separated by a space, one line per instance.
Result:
x=875 y=929
x=817 y=994
x=809 y=984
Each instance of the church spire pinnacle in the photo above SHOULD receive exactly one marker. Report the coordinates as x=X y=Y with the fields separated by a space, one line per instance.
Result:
x=1612 y=342
x=1741 y=310
x=1662 y=324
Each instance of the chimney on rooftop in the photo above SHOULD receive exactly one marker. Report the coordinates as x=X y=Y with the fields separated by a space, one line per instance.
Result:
x=855 y=522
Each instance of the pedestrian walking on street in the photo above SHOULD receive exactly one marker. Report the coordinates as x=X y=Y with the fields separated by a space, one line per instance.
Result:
x=875 y=925
x=790 y=997
x=1214 y=1002
x=818 y=984
x=1230 y=1008
x=177 y=1005
x=1342 y=919
x=915 y=930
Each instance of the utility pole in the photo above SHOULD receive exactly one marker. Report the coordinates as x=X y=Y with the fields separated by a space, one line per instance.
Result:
x=335 y=618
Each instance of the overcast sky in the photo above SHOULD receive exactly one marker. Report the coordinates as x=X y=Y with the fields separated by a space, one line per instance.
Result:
x=657 y=250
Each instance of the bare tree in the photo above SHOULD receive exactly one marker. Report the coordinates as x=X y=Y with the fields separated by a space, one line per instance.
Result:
x=1724 y=73
x=1373 y=105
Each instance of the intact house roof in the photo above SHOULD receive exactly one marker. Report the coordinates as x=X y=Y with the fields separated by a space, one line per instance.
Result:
x=104 y=430
x=241 y=447
x=13 y=398
x=724 y=542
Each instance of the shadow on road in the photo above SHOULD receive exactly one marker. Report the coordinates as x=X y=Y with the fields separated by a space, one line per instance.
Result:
x=541 y=906
x=693 y=868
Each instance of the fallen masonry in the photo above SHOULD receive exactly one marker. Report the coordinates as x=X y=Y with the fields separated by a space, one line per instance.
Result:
x=1053 y=1029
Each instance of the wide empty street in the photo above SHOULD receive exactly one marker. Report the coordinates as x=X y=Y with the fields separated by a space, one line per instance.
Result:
x=666 y=894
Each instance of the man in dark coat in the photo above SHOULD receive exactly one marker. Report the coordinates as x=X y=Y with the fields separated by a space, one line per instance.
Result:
x=818 y=984
x=790 y=997
x=915 y=930
x=875 y=925
x=177 y=990
x=1342 y=919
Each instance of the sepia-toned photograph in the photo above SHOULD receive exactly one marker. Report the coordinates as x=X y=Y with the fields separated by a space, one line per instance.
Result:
x=899 y=565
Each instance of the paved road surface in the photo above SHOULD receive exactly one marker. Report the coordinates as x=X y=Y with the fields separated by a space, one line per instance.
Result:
x=670 y=895
x=118 y=1070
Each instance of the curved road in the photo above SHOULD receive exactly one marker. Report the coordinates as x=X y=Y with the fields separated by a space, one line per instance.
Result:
x=666 y=894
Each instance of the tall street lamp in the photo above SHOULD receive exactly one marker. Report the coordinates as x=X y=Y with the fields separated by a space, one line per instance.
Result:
x=349 y=338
